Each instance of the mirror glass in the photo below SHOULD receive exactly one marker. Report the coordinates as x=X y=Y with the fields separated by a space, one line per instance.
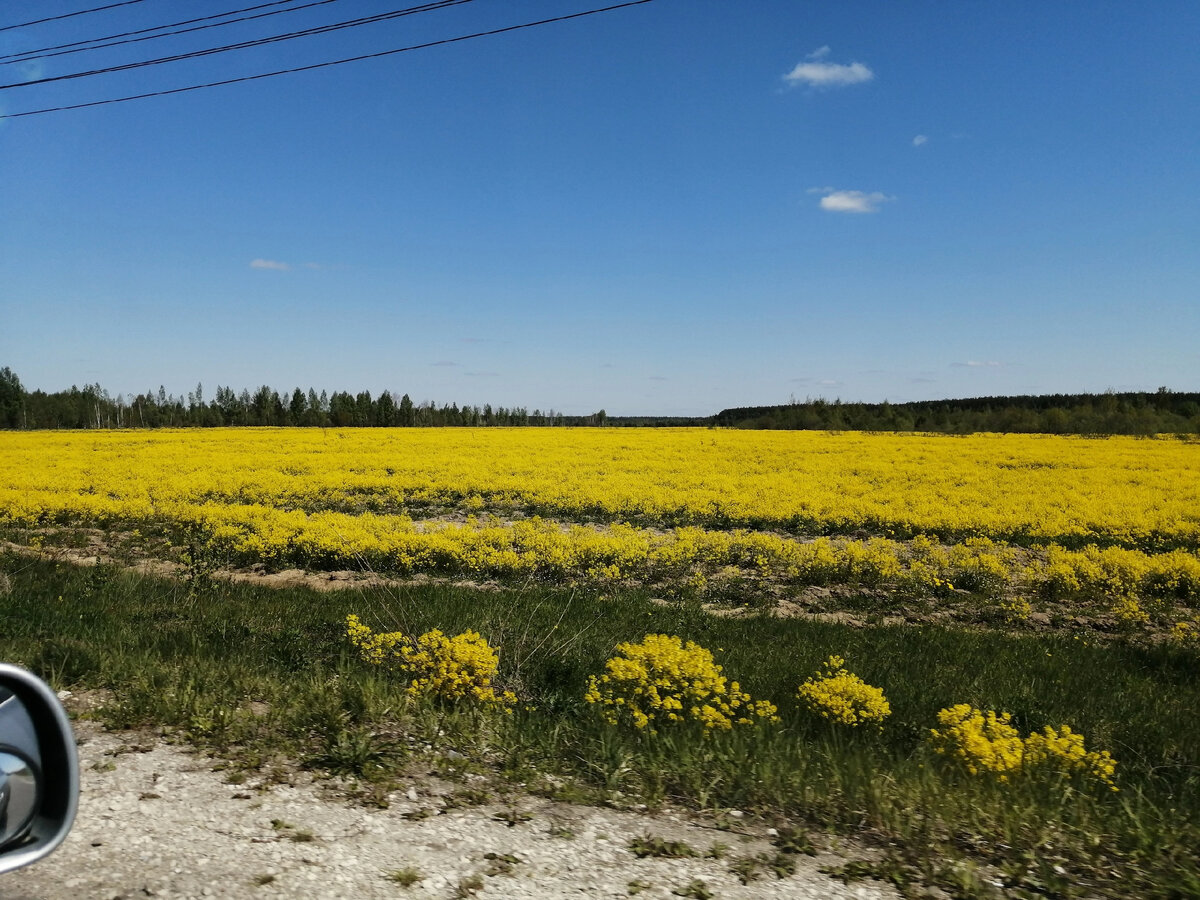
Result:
x=18 y=797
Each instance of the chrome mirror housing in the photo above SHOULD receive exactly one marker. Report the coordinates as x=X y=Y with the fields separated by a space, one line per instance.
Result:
x=39 y=769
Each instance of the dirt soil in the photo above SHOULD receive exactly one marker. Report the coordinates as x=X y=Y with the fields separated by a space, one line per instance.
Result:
x=156 y=820
x=835 y=603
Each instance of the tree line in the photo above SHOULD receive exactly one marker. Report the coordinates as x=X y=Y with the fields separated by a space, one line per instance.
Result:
x=1161 y=412
x=94 y=407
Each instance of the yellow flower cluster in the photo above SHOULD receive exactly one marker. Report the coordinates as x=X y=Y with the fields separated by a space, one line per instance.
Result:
x=1114 y=572
x=703 y=502
x=842 y=697
x=662 y=680
x=375 y=647
x=1186 y=633
x=1062 y=749
x=987 y=743
x=437 y=666
x=1016 y=608
x=1119 y=491
x=984 y=742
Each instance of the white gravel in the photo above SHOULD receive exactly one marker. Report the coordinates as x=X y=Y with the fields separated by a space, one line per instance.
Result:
x=155 y=820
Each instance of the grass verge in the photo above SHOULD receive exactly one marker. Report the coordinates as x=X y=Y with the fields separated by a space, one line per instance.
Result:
x=263 y=675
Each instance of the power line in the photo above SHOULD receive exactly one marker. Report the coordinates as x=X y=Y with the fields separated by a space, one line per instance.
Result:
x=131 y=38
x=323 y=65
x=243 y=45
x=82 y=12
x=41 y=52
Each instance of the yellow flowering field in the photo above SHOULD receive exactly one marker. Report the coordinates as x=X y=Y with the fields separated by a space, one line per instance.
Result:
x=1116 y=519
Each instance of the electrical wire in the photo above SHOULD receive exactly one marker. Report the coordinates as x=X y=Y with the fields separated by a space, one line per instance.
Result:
x=71 y=15
x=242 y=45
x=131 y=38
x=327 y=64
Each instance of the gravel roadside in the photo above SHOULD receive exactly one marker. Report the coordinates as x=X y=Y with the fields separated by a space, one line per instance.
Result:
x=155 y=820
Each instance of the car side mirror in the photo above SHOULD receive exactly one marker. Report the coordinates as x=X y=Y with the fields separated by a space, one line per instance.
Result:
x=39 y=769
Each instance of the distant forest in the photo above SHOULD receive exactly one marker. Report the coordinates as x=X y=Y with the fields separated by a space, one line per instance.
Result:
x=1162 y=412
x=92 y=406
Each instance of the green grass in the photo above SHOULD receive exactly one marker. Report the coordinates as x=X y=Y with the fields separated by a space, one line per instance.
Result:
x=406 y=877
x=260 y=674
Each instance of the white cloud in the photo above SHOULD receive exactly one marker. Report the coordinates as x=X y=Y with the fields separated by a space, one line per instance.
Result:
x=919 y=140
x=269 y=264
x=31 y=70
x=850 y=201
x=815 y=72
x=444 y=362
x=978 y=364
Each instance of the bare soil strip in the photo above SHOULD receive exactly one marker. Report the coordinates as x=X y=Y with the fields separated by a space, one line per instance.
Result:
x=156 y=820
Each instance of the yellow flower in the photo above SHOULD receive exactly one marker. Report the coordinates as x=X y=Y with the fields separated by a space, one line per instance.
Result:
x=1062 y=749
x=984 y=742
x=663 y=680
x=1186 y=632
x=841 y=696
x=987 y=743
x=446 y=668
x=293 y=497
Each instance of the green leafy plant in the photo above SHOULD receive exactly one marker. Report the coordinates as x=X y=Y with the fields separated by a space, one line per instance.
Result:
x=406 y=876
x=649 y=845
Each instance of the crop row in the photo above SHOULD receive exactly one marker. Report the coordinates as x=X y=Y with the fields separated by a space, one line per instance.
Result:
x=1021 y=489
x=1131 y=581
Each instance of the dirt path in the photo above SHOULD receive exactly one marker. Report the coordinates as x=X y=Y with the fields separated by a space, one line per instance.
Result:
x=155 y=820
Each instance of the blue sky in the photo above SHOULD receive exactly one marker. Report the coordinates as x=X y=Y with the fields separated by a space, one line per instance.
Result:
x=671 y=208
